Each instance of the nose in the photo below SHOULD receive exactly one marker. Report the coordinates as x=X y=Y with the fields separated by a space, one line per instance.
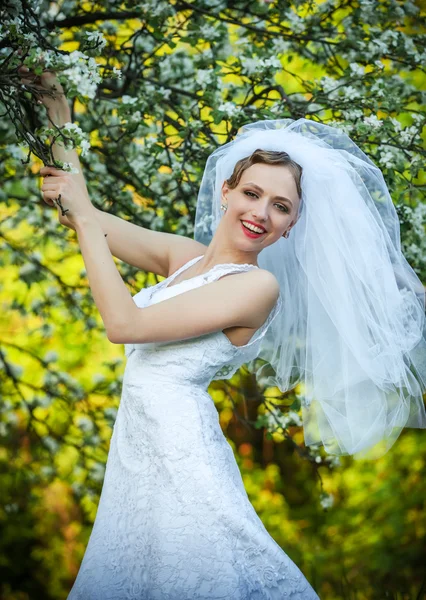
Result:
x=260 y=211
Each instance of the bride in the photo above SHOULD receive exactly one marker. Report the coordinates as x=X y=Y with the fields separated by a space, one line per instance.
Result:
x=335 y=303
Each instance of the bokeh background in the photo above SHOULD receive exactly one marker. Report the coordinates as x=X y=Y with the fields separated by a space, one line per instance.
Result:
x=154 y=87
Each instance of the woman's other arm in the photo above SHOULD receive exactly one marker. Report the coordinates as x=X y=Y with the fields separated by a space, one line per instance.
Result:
x=189 y=314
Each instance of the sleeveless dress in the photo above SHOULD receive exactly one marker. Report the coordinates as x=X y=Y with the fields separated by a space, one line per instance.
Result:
x=174 y=521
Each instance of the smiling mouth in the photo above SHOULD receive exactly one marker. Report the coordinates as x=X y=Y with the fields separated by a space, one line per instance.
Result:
x=252 y=233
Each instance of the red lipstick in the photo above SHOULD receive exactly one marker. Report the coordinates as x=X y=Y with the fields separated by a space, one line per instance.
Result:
x=251 y=234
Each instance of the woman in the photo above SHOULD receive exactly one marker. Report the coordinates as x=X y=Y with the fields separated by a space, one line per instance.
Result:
x=174 y=521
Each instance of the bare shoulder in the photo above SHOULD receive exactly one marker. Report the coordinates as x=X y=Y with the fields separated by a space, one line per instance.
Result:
x=270 y=282
x=270 y=287
x=266 y=284
x=255 y=293
x=182 y=250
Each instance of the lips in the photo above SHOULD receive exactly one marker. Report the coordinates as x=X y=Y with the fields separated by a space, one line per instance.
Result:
x=255 y=225
x=251 y=234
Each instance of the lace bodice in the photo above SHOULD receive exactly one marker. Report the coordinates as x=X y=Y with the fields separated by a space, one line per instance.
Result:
x=221 y=358
x=174 y=521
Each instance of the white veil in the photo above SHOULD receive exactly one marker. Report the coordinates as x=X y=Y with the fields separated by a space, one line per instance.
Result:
x=352 y=327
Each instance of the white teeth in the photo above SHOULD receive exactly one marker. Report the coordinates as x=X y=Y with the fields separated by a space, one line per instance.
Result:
x=252 y=227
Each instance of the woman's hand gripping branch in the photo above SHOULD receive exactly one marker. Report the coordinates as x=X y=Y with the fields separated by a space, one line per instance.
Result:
x=63 y=189
x=50 y=93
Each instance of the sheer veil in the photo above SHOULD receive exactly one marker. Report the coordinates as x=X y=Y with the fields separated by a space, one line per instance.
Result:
x=352 y=327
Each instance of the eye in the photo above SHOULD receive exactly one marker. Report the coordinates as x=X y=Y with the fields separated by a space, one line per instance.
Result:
x=283 y=208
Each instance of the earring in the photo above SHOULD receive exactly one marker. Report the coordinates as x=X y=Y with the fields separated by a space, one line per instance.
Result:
x=286 y=234
x=223 y=206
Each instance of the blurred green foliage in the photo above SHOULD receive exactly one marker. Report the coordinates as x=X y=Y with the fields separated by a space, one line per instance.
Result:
x=192 y=74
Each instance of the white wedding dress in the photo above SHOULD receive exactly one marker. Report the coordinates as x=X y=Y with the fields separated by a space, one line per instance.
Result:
x=174 y=521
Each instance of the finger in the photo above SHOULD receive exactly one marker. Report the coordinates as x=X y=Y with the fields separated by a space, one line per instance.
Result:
x=28 y=75
x=51 y=194
x=44 y=171
x=57 y=200
x=49 y=202
x=51 y=170
x=48 y=187
x=26 y=79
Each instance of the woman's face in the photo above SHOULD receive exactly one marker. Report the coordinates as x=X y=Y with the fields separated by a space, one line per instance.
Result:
x=267 y=196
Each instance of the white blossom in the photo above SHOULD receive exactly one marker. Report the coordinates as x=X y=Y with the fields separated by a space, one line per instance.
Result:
x=351 y=93
x=51 y=356
x=272 y=61
x=378 y=46
x=327 y=500
x=345 y=127
x=281 y=46
x=407 y=135
x=328 y=83
x=386 y=159
x=397 y=125
x=203 y=77
x=209 y=32
x=373 y=121
x=125 y=99
x=27 y=269
x=230 y=108
x=72 y=127
x=353 y=114
x=333 y=461
x=136 y=116
x=377 y=89
x=357 y=69
x=144 y=43
x=54 y=11
x=98 y=472
x=68 y=166
x=97 y=37
x=84 y=423
x=85 y=146
x=314 y=107
x=251 y=65
x=295 y=417
x=17 y=151
x=297 y=24
x=166 y=93
x=390 y=36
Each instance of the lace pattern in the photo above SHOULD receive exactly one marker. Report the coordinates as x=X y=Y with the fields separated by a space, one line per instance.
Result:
x=174 y=521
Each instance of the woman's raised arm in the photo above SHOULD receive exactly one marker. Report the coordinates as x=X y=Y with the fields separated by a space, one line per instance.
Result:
x=58 y=113
x=151 y=251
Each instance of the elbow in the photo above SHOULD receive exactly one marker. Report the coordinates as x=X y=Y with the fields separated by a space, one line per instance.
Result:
x=112 y=336
x=125 y=330
x=116 y=334
x=123 y=333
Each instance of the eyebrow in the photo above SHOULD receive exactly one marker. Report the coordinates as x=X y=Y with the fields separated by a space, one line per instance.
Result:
x=261 y=191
